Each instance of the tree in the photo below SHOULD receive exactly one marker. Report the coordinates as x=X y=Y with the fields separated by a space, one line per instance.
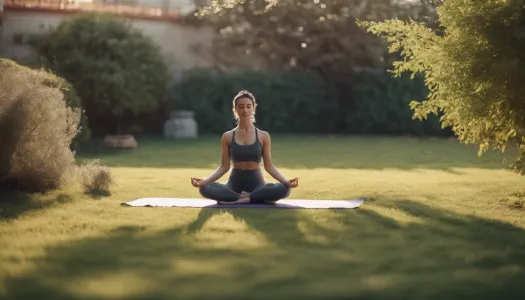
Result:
x=116 y=70
x=319 y=36
x=475 y=71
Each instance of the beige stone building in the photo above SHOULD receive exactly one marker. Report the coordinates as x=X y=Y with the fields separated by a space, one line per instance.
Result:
x=159 y=19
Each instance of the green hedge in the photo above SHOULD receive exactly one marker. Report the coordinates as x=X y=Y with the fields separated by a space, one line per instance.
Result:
x=381 y=106
x=286 y=102
x=371 y=103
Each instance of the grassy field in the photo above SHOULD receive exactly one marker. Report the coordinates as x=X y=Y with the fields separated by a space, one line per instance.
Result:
x=439 y=223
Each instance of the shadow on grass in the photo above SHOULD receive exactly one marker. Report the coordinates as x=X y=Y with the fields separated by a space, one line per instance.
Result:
x=336 y=254
x=308 y=152
x=14 y=204
x=97 y=195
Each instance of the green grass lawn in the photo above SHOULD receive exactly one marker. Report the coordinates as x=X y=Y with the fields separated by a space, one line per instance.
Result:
x=439 y=223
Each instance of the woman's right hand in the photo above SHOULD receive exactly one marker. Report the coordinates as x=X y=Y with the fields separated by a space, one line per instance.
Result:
x=197 y=182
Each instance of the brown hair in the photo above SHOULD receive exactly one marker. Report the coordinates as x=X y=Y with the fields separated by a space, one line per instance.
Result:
x=243 y=94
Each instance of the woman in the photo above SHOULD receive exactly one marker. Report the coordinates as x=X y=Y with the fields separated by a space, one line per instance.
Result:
x=245 y=145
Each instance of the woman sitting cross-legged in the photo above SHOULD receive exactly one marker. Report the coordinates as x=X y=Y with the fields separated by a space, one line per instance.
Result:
x=245 y=145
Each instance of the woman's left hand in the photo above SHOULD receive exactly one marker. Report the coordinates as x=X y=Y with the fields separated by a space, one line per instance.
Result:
x=292 y=183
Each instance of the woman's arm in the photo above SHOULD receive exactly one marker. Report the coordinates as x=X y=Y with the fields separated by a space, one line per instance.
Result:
x=225 y=161
x=268 y=164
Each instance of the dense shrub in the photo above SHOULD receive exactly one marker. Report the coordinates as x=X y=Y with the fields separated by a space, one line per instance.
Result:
x=72 y=100
x=118 y=72
x=37 y=127
x=296 y=102
x=70 y=96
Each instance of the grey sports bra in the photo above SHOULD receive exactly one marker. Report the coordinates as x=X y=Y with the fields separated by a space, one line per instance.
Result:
x=241 y=153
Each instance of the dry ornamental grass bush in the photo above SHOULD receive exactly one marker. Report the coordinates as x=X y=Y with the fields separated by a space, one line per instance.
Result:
x=36 y=130
x=95 y=178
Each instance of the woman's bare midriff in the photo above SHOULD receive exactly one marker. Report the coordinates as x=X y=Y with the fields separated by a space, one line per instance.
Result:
x=246 y=165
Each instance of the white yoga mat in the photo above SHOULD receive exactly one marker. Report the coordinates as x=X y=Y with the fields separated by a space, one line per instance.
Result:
x=206 y=203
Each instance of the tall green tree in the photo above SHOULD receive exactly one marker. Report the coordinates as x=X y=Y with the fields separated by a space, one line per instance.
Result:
x=475 y=70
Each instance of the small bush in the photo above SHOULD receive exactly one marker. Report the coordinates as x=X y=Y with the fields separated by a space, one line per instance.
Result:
x=95 y=178
x=118 y=71
x=36 y=129
x=515 y=200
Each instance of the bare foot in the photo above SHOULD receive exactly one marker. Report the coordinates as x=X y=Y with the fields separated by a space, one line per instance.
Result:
x=242 y=195
x=245 y=198
x=226 y=202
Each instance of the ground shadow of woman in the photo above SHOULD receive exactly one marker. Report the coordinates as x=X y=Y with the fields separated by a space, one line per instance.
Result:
x=279 y=226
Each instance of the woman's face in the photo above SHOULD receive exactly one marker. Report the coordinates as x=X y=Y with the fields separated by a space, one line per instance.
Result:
x=244 y=107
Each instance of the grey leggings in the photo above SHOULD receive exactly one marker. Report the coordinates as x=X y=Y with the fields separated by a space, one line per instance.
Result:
x=250 y=181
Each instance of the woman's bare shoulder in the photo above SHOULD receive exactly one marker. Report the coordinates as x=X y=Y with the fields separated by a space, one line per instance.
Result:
x=263 y=135
x=262 y=132
x=227 y=135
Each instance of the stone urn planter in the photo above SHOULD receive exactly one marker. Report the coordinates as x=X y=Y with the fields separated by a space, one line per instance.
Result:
x=120 y=142
x=181 y=125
